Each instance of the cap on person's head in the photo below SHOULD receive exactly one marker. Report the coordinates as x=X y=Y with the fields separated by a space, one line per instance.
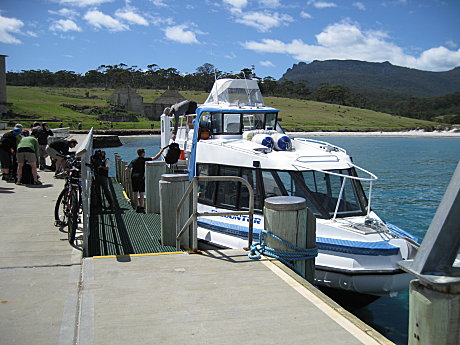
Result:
x=44 y=124
x=73 y=141
x=140 y=151
x=25 y=132
x=18 y=125
x=36 y=123
x=16 y=131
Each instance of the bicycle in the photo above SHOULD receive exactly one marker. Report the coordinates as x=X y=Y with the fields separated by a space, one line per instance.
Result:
x=68 y=203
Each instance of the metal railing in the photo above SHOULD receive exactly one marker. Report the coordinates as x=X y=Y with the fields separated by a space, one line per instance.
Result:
x=85 y=151
x=192 y=220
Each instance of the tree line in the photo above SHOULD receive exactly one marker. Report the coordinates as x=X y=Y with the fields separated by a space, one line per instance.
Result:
x=444 y=108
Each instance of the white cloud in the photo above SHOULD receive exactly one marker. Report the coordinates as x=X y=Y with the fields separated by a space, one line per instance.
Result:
x=359 y=6
x=159 y=3
x=321 y=4
x=270 y=3
x=347 y=41
x=65 y=12
x=131 y=17
x=263 y=21
x=231 y=56
x=8 y=27
x=100 y=20
x=82 y=3
x=64 y=25
x=266 y=63
x=451 y=44
x=305 y=15
x=31 y=33
x=181 y=34
x=236 y=5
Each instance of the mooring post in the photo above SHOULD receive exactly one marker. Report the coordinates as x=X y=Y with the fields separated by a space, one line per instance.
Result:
x=288 y=218
x=153 y=172
x=172 y=189
x=434 y=298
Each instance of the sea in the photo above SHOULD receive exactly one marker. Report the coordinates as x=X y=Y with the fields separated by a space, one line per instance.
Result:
x=413 y=173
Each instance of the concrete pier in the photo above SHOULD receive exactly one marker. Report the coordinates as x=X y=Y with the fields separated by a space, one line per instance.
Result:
x=49 y=294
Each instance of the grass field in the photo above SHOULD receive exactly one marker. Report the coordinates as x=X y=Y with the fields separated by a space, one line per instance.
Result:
x=40 y=103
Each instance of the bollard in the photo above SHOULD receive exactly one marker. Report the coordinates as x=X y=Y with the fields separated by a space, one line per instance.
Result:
x=172 y=189
x=434 y=316
x=153 y=172
x=288 y=218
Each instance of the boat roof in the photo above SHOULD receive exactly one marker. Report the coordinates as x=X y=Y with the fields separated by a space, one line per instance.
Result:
x=231 y=92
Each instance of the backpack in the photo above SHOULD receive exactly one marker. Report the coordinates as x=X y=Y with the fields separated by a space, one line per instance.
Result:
x=173 y=154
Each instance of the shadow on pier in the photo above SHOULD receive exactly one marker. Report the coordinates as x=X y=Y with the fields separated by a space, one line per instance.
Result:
x=122 y=231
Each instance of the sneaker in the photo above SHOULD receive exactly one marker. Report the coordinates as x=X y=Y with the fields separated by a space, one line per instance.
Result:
x=37 y=183
x=5 y=177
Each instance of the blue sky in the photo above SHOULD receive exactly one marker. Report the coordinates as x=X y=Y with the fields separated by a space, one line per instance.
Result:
x=272 y=35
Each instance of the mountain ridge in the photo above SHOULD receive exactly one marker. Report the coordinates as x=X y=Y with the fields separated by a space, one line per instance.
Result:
x=373 y=78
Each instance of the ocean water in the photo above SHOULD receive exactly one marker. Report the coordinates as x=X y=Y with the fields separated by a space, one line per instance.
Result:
x=413 y=176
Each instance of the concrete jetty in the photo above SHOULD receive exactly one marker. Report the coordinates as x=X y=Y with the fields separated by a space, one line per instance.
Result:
x=50 y=294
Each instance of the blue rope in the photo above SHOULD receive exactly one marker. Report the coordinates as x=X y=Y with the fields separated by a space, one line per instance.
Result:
x=285 y=256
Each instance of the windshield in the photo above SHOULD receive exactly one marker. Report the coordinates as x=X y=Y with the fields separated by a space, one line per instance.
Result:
x=321 y=190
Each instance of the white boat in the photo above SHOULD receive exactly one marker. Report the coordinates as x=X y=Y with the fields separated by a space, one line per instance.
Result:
x=235 y=134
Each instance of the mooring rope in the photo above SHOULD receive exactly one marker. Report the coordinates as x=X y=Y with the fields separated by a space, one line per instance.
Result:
x=285 y=256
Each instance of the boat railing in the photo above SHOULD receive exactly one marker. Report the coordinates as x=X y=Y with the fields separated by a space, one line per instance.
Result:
x=372 y=177
x=192 y=220
x=327 y=146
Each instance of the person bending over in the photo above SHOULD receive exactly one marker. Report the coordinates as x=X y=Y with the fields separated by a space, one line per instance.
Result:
x=58 y=148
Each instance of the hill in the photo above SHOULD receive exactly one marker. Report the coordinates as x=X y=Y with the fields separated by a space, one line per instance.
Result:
x=46 y=104
x=372 y=79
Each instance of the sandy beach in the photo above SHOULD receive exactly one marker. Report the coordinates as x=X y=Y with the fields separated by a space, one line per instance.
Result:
x=412 y=133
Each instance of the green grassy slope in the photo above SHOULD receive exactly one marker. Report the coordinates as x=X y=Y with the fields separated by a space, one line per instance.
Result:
x=297 y=115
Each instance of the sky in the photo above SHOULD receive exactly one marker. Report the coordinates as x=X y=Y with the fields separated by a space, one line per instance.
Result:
x=271 y=35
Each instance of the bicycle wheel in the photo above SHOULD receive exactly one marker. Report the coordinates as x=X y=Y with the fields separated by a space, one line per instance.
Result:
x=73 y=216
x=60 y=217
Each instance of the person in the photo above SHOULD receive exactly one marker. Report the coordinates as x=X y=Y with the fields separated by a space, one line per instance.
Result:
x=79 y=125
x=57 y=149
x=101 y=166
x=137 y=167
x=28 y=150
x=61 y=125
x=8 y=145
x=182 y=108
x=42 y=134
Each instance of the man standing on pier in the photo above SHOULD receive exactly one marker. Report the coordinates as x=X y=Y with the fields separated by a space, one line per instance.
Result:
x=137 y=167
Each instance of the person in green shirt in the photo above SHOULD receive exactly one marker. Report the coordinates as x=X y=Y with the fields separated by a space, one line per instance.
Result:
x=28 y=150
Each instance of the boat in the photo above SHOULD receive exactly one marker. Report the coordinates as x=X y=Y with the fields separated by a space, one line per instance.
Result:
x=235 y=134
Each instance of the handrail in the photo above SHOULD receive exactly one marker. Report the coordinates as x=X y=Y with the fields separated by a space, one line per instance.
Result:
x=85 y=151
x=193 y=187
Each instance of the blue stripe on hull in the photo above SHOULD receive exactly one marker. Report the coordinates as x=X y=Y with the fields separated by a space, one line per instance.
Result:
x=380 y=248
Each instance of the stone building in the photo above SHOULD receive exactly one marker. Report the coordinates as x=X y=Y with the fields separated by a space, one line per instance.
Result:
x=132 y=101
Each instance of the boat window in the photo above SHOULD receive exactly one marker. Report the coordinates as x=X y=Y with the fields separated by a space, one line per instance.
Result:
x=206 y=189
x=232 y=123
x=270 y=121
x=290 y=183
x=326 y=189
x=228 y=192
x=216 y=119
x=250 y=175
x=271 y=186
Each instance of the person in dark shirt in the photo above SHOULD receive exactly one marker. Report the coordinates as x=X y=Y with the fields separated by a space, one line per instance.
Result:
x=8 y=146
x=58 y=148
x=43 y=132
x=137 y=167
x=101 y=166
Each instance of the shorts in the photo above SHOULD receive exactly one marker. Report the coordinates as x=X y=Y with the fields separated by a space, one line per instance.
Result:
x=5 y=159
x=138 y=183
x=26 y=156
x=52 y=152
